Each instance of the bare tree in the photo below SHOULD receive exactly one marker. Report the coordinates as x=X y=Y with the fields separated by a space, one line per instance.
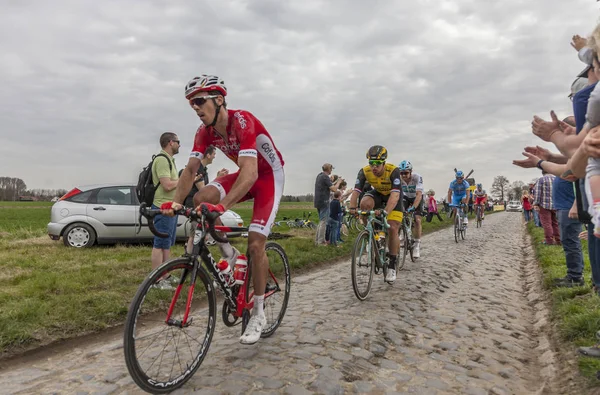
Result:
x=500 y=187
x=11 y=188
x=516 y=190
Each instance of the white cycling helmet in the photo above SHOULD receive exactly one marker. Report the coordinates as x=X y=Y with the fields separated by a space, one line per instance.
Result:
x=205 y=83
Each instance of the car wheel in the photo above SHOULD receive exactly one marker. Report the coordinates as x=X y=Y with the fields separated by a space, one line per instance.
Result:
x=79 y=236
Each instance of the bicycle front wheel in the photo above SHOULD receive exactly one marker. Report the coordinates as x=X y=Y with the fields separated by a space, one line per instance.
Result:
x=163 y=355
x=363 y=265
x=277 y=289
x=456 y=227
x=404 y=246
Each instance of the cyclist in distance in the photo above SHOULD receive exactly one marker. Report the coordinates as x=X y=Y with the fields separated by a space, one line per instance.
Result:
x=480 y=199
x=385 y=193
x=244 y=140
x=412 y=189
x=458 y=192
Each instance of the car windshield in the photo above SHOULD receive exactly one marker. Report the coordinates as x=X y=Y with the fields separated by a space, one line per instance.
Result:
x=514 y=202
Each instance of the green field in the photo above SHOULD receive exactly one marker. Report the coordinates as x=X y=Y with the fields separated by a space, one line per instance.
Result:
x=50 y=292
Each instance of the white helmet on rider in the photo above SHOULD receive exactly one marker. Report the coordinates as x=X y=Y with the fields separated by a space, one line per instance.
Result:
x=205 y=83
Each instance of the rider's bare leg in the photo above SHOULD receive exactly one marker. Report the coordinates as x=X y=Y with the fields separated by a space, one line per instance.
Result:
x=366 y=204
x=260 y=267
x=393 y=240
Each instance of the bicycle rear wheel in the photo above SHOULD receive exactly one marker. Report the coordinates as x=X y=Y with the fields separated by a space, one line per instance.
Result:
x=162 y=356
x=363 y=264
x=277 y=289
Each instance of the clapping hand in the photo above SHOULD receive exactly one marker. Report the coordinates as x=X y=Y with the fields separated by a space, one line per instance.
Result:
x=530 y=161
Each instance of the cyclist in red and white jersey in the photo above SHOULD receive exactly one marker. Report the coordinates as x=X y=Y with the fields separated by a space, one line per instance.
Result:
x=480 y=199
x=244 y=140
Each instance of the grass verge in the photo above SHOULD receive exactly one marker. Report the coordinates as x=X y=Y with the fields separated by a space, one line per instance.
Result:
x=575 y=310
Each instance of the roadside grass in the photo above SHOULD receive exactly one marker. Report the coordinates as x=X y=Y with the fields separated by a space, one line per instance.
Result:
x=25 y=204
x=575 y=310
x=21 y=222
x=50 y=292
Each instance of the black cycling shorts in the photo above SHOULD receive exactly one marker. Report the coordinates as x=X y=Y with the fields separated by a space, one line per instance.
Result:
x=408 y=202
x=381 y=201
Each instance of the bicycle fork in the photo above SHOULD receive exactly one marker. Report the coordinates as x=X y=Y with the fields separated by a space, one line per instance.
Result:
x=183 y=323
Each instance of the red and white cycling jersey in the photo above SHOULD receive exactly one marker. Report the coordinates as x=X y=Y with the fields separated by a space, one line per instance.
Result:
x=246 y=136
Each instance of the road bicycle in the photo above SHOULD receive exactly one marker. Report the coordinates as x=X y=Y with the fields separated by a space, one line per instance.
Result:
x=369 y=254
x=460 y=228
x=169 y=329
x=407 y=241
x=479 y=214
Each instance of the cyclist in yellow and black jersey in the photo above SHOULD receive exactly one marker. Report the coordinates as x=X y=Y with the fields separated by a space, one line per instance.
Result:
x=386 y=193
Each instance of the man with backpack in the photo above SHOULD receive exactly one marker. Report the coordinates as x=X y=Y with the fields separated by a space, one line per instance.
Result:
x=164 y=179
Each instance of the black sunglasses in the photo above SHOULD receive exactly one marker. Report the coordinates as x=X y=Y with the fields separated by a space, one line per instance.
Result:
x=176 y=141
x=200 y=101
x=404 y=173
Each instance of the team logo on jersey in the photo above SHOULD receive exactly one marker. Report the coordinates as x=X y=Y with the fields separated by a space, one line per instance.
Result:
x=226 y=148
x=357 y=182
x=240 y=119
x=195 y=154
x=396 y=181
x=269 y=151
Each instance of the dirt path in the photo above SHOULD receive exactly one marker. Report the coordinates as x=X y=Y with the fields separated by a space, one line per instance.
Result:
x=467 y=318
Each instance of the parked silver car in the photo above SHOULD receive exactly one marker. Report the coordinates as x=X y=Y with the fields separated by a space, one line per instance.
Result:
x=106 y=214
x=514 y=205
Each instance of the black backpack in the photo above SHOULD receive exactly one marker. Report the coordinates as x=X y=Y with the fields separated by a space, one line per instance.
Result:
x=145 y=187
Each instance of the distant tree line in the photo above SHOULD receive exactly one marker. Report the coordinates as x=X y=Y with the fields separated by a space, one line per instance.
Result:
x=503 y=189
x=300 y=198
x=13 y=188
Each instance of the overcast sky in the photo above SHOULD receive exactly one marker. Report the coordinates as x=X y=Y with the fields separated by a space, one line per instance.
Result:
x=89 y=86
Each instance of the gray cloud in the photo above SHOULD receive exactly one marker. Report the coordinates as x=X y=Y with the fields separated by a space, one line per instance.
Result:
x=89 y=87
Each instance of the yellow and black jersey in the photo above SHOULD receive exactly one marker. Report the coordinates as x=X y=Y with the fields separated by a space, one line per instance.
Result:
x=387 y=183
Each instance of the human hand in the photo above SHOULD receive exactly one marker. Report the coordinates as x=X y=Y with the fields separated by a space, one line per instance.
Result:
x=530 y=161
x=540 y=152
x=578 y=42
x=544 y=129
x=212 y=208
x=573 y=212
x=566 y=128
x=169 y=208
x=222 y=172
x=591 y=143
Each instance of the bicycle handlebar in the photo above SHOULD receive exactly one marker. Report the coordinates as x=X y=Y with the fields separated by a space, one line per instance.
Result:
x=205 y=215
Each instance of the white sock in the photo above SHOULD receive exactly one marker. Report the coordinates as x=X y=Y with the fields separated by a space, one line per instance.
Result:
x=258 y=305
x=226 y=250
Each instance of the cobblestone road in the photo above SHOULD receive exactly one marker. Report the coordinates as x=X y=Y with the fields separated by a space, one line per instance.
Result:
x=466 y=318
